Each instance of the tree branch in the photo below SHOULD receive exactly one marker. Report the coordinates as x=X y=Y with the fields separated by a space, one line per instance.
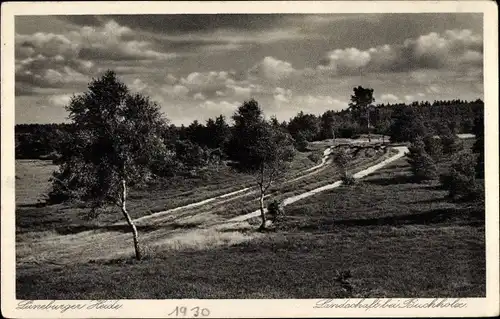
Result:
x=271 y=178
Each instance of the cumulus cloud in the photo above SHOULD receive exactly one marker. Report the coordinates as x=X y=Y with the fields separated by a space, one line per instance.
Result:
x=320 y=102
x=46 y=59
x=218 y=84
x=409 y=98
x=137 y=85
x=282 y=95
x=210 y=108
x=432 y=89
x=175 y=91
x=109 y=42
x=51 y=72
x=170 y=79
x=199 y=96
x=431 y=51
x=389 y=97
x=207 y=82
x=347 y=60
x=220 y=105
x=240 y=91
x=60 y=100
x=272 y=69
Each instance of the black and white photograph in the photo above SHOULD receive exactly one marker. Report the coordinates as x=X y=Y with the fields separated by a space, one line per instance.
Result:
x=335 y=157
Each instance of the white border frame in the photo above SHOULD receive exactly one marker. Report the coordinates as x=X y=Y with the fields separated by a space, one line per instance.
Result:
x=249 y=308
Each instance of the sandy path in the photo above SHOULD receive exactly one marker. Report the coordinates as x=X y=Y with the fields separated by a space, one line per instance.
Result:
x=401 y=152
x=229 y=196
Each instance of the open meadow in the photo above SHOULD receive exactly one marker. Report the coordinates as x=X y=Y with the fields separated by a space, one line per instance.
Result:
x=386 y=231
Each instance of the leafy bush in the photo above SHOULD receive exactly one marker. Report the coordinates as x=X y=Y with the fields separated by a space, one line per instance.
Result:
x=300 y=142
x=191 y=155
x=165 y=164
x=460 y=181
x=58 y=192
x=451 y=144
x=433 y=147
x=348 y=180
x=478 y=148
x=349 y=131
x=422 y=164
x=56 y=195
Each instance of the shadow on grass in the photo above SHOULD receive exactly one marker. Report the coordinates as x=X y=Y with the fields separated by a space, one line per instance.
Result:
x=239 y=229
x=393 y=180
x=462 y=216
x=31 y=205
x=444 y=199
x=74 y=229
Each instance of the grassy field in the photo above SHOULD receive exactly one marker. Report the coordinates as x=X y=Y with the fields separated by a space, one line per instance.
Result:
x=397 y=238
x=32 y=182
x=167 y=194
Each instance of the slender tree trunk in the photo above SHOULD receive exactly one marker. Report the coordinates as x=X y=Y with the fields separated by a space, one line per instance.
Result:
x=368 y=122
x=138 y=252
x=262 y=213
x=261 y=199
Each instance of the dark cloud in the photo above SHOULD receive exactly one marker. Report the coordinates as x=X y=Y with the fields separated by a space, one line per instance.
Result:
x=175 y=23
x=83 y=20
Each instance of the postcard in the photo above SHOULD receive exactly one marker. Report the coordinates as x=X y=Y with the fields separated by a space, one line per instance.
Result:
x=249 y=159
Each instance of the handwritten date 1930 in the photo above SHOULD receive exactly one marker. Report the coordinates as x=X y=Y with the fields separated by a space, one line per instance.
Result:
x=193 y=312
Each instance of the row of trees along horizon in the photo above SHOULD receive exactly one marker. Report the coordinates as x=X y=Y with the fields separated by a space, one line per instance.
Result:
x=117 y=140
x=41 y=141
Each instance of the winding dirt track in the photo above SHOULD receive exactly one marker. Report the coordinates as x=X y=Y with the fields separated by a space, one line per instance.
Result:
x=401 y=152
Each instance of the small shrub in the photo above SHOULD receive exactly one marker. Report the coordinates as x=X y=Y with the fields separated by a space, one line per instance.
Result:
x=422 y=164
x=451 y=144
x=348 y=180
x=58 y=192
x=300 y=142
x=275 y=211
x=478 y=148
x=460 y=181
x=433 y=147
x=315 y=156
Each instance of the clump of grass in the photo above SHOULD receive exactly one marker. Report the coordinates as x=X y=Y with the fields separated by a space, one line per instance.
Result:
x=276 y=211
x=315 y=156
x=348 y=180
x=344 y=279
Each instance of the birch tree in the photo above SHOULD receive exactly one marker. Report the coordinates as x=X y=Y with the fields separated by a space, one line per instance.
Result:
x=261 y=149
x=116 y=138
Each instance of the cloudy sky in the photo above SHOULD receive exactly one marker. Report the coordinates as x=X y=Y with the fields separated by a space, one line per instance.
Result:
x=200 y=66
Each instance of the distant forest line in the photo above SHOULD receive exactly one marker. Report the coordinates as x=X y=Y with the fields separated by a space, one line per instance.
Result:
x=399 y=121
